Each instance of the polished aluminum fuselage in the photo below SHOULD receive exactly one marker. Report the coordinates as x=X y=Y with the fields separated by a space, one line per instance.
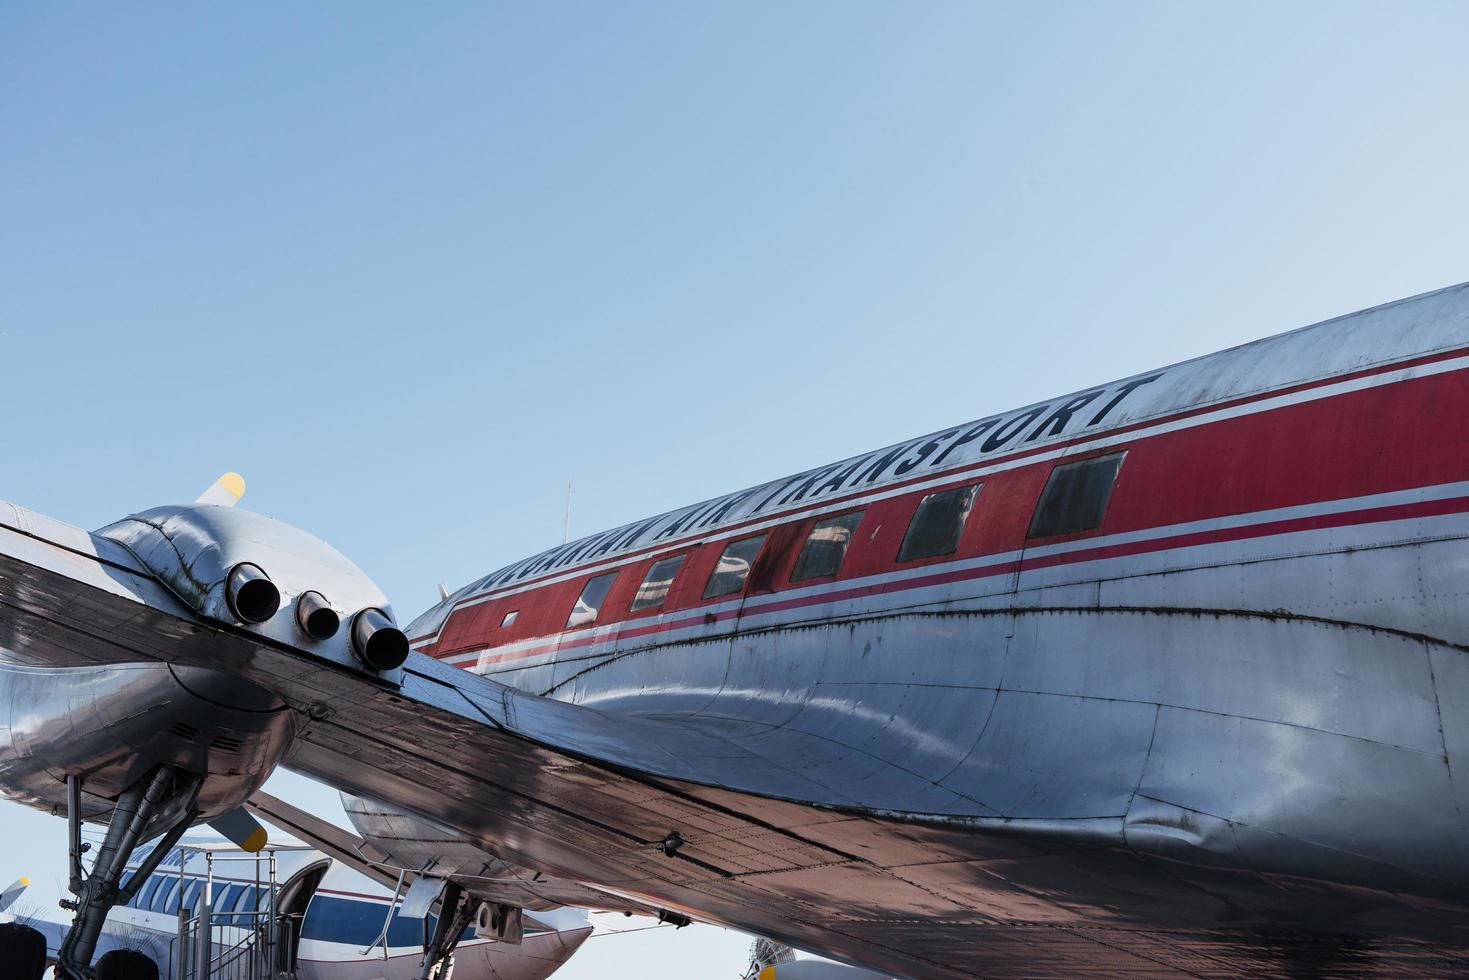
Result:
x=1257 y=661
x=1269 y=678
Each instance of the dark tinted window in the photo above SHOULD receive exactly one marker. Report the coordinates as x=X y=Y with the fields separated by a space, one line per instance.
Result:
x=657 y=583
x=590 y=602
x=734 y=566
x=937 y=524
x=1075 y=497
x=825 y=546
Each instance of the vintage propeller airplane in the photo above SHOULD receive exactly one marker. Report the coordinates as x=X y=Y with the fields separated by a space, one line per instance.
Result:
x=1169 y=675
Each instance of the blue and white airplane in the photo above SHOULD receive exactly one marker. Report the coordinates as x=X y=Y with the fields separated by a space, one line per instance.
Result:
x=337 y=923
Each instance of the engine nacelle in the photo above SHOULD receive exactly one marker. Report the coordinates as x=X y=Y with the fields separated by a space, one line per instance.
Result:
x=114 y=724
x=265 y=576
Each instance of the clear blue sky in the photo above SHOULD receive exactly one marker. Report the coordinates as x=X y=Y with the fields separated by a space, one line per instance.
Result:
x=411 y=268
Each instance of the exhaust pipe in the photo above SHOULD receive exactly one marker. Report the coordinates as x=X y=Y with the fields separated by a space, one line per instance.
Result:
x=377 y=642
x=252 y=596
x=315 y=618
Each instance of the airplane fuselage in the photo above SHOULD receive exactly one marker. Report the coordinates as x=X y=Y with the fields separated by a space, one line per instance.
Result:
x=1242 y=645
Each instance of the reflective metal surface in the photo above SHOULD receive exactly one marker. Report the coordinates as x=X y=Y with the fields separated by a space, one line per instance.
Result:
x=1240 y=756
x=111 y=724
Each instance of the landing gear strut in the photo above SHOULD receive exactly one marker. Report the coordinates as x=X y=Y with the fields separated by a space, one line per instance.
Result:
x=455 y=915
x=162 y=802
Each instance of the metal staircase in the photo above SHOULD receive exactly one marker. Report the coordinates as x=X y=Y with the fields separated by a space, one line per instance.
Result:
x=234 y=945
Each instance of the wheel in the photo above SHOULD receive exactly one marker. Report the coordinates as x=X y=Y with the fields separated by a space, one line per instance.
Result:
x=125 y=964
x=22 y=951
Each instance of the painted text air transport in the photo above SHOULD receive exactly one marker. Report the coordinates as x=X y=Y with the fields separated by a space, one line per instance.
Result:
x=1166 y=676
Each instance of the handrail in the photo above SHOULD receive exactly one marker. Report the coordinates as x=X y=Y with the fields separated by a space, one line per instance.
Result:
x=241 y=945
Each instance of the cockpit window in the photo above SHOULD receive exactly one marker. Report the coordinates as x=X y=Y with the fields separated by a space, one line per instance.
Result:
x=657 y=583
x=590 y=602
x=734 y=567
x=937 y=524
x=826 y=546
x=1075 y=497
x=510 y=618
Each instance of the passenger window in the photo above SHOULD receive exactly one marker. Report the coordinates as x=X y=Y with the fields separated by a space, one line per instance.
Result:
x=734 y=566
x=937 y=524
x=825 y=547
x=590 y=602
x=509 y=618
x=657 y=583
x=1075 y=497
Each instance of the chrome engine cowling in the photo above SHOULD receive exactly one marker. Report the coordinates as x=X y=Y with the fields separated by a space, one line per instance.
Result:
x=241 y=568
x=111 y=725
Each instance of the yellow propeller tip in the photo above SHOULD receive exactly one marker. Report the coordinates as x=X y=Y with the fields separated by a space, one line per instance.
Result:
x=25 y=882
x=256 y=840
x=234 y=483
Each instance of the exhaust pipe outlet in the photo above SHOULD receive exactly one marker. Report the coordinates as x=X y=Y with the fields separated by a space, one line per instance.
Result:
x=377 y=642
x=252 y=596
x=315 y=618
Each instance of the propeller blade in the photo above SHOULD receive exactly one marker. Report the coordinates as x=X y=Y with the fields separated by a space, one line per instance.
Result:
x=241 y=829
x=9 y=895
x=224 y=492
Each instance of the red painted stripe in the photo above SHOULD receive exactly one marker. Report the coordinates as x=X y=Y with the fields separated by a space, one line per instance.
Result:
x=1371 y=515
x=1355 y=444
x=960 y=472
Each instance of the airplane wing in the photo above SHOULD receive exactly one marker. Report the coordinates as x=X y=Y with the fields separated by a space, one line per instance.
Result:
x=517 y=887
x=573 y=792
x=331 y=840
x=755 y=828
